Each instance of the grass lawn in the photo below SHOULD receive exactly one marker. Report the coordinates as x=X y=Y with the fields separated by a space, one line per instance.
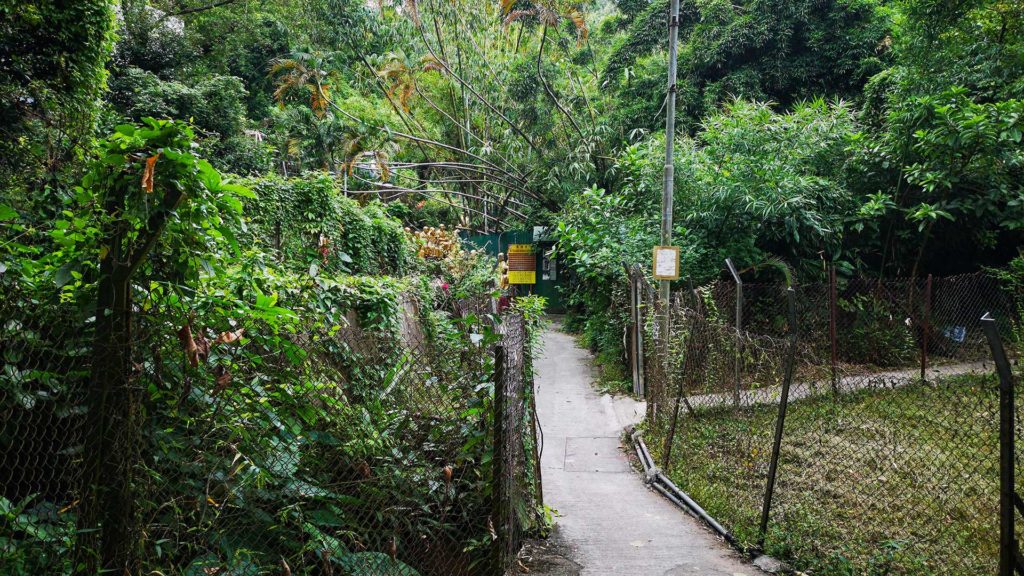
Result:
x=880 y=481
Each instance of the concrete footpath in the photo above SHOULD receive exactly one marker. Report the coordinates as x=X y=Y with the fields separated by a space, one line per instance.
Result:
x=609 y=523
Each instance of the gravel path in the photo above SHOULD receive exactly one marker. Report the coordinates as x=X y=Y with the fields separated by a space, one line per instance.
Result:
x=610 y=524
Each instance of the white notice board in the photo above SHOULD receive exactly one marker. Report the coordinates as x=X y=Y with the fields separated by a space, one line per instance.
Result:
x=666 y=262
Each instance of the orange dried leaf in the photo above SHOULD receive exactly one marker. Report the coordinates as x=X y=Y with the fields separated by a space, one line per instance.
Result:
x=147 y=173
x=229 y=337
x=189 y=344
x=223 y=381
x=202 y=348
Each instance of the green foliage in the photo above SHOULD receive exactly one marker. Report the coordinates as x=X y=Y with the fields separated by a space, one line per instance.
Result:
x=532 y=309
x=782 y=51
x=599 y=234
x=756 y=183
x=428 y=213
x=54 y=55
x=259 y=448
x=959 y=165
x=214 y=104
x=34 y=537
x=315 y=227
x=875 y=333
x=1012 y=278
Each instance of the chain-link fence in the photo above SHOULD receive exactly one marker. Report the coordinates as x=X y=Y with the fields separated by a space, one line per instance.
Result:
x=888 y=454
x=240 y=449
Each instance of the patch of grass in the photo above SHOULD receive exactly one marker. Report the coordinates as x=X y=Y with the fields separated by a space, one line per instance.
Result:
x=612 y=377
x=877 y=482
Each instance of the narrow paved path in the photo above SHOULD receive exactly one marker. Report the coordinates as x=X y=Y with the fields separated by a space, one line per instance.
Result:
x=612 y=523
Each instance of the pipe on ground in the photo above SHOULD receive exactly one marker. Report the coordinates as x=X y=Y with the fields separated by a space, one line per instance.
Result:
x=674 y=494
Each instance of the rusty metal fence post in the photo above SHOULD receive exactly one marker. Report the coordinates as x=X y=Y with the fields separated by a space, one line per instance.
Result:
x=739 y=330
x=501 y=511
x=632 y=340
x=680 y=392
x=926 y=326
x=639 y=335
x=1009 y=501
x=780 y=422
x=833 y=321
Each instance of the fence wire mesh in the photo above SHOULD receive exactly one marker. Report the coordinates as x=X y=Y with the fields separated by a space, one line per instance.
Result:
x=236 y=450
x=889 y=457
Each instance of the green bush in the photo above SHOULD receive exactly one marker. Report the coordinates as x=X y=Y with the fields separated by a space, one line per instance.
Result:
x=874 y=332
x=314 y=226
x=1012 y=278
x=53 y=73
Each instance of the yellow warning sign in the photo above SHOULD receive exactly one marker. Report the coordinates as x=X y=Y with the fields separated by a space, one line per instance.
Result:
x=522 y=277
x=522 y=264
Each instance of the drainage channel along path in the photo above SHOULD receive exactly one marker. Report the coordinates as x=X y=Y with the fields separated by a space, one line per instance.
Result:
x=609 y=523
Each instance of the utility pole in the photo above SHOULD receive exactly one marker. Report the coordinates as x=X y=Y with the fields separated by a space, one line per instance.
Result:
x=670 y=129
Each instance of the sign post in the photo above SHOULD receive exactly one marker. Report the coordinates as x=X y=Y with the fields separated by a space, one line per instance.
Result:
x=666 y=197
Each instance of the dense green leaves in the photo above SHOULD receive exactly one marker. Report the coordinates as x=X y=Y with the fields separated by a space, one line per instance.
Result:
x=52 y=72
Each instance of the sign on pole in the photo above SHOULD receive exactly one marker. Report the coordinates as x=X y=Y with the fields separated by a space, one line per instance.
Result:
x=522 y=264
x=666 y=263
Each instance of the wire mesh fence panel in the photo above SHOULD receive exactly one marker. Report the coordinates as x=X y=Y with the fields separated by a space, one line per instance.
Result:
x=45 y=350
x=330 y=449
x=889 y=455
x=516 y=484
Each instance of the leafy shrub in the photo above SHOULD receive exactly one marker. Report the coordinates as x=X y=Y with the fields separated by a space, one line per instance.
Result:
x=215 y=104
x=54 y=71
x=876 y=333
x=1012 y=278
x=280 y=414
x=315 y=227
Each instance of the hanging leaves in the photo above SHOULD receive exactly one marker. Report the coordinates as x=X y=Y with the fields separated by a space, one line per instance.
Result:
x=582 y=33
x=197 y=347
x=431 y=63
x=517 y=15
x=382 y=165
x=223 y=376
x=148 y=171
x=319 y=99
x=189 y=343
